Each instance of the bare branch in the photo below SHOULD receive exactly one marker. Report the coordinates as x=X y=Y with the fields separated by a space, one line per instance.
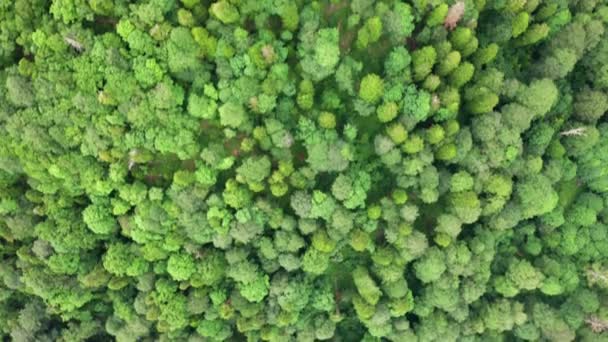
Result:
x=454 y=15
x=435 y=101
x=132 y=155
x=597 y=324
x=76 y=45
x=597 y=276
x=574 y=131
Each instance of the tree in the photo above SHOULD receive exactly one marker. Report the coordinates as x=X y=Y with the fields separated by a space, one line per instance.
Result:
x=371 y=88
x=181 y=266
x=536 y=196
x=590 y=105
x=99 y=219
x=431 y=266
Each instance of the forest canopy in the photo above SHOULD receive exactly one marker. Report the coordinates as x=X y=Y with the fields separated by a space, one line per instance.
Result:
x=295 y=170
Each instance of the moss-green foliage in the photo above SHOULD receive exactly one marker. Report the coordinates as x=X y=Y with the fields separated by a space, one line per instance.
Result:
x=277 y=170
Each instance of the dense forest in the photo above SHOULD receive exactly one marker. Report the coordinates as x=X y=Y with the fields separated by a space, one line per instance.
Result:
x=295 y=170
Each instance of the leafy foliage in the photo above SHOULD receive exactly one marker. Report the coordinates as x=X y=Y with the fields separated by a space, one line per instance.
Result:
x=275 y=170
